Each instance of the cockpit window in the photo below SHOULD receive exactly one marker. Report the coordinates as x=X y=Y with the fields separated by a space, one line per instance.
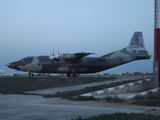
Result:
x=23 y=60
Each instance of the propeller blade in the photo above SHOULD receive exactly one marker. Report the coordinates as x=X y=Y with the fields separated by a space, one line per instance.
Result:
x=58 y=50
x=55 y=58
x=52 y=55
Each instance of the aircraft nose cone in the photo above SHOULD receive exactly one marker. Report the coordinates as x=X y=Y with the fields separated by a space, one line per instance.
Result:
x=12 y=65
x=8 y=64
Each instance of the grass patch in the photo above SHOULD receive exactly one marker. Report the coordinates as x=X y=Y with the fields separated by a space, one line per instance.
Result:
x=120 y=116
x=148 y=100
x=108 y=98
x=18 y=85
x=84 y=98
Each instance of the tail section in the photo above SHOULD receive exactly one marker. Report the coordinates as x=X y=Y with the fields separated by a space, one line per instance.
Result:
x=136 y=42
x=134 y=51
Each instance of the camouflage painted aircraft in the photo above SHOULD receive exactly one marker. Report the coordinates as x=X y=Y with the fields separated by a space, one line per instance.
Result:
x=77 y=63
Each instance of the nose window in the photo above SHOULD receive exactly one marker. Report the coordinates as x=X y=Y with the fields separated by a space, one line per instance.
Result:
x=23 y=60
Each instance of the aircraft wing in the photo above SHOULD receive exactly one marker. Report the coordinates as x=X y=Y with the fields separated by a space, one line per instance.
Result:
x=80 y=55
x=68 y=57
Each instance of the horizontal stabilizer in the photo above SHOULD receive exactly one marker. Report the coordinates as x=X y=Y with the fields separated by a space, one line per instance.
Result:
x=143 y=57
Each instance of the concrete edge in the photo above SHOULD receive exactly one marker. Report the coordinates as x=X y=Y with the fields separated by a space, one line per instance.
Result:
x=143 y=93
x=116 y=88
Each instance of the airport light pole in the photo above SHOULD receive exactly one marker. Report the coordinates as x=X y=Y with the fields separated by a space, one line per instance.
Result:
x=156 y=62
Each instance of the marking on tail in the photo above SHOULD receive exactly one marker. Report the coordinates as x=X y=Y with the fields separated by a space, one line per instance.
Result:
x=136 y=42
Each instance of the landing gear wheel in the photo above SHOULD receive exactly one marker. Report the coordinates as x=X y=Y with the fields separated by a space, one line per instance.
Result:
x=68 y=74
x=76 y=75
x=30 y=74
x=72 y=74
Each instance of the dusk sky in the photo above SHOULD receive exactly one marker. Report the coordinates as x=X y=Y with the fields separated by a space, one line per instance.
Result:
x=35 y=27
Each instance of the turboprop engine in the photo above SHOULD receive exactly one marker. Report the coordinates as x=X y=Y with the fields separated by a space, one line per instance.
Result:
x=67 y=56
x=62 y=57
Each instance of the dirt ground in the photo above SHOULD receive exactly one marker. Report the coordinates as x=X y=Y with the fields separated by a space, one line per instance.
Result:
x=148 y=110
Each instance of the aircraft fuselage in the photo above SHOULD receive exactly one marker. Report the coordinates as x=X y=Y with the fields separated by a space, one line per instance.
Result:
x=42 y=64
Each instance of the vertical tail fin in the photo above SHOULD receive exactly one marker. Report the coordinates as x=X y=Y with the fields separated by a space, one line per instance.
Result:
x=135 y=49
x=136 y=42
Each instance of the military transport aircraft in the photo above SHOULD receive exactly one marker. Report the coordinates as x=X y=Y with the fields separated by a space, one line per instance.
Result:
x=77 y=63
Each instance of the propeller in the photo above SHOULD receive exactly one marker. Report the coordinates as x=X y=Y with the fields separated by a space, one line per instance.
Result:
x=58 y=51
x=55 y=58
x=52 y=55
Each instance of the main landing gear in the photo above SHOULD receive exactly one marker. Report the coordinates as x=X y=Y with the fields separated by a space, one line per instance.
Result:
x=30 y=74
x=71 y=74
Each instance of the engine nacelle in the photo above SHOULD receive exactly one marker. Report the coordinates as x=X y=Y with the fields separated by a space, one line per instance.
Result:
x=67 y=56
